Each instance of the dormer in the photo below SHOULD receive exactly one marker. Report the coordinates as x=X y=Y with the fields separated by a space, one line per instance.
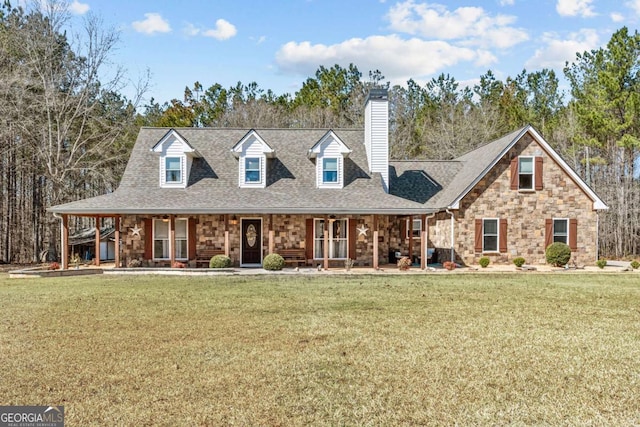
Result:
x=176 y=156
x=329 y=153
x=252 y=153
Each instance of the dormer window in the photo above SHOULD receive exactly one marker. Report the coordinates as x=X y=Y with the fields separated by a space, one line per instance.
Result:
x=252 y=153
x=176 y=157
x=329 y=154
x=252 y=170
x=173 y=170
x=329 y=170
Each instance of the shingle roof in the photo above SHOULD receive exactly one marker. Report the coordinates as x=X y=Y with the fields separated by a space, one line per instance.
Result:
x=415 y=186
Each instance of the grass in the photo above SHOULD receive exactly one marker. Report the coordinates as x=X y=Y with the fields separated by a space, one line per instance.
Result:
x=275 y=350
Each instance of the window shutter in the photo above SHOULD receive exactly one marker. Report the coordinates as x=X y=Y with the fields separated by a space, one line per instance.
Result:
x=573 y=234
x=308 y=244
x=514 y=173
x=192 y=238
x=503 y=235
x=538 y=176
x=352 y=238
x=548 y=232
x=148 y=238
x=403 y=228
x=478 y=239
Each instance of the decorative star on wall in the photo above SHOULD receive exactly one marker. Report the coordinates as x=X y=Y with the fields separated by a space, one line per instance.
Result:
x=362 y=230
x=135 y=230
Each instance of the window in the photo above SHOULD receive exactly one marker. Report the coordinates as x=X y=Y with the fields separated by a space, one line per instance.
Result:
x=525 y=173
x=417 y=228
x=252 y=170
x=161 y=243
x=490 y=235
x=561 y=230
x=337 y=238
x=330 y=170
x=173 y=170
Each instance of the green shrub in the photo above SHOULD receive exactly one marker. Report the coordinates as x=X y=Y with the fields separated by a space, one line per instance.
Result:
x=273 y=262
x=519 y=261
x=220 y=261
x=601 y=263
x=635 y=264
x=558 y=254
x=484 y=261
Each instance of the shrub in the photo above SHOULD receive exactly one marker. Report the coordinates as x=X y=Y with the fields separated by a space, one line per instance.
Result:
x=601 y=263
x=404 y=263
x=558 y=254
x=134 y=263
x=220 y=261
x=519 y=261
x=178 y=264
x=635 y=264
x=54 y=266
x=348 y=263
x=449 y=265
x=484 y=261
x=273 y=262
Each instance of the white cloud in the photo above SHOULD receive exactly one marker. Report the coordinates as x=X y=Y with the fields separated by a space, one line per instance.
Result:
x=78 y=8
x=153 y=23
x=507 y=2
x=191 y=30
x=557 y=51
x=224 y=30
x=617 y=17
x=575 y=8
x=634 y=5
x=471 y=26
x=400 y=59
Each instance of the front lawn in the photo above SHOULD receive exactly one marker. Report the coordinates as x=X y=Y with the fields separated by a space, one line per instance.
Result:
x=325 y=350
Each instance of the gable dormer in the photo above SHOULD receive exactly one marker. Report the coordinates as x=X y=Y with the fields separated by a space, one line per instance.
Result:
x=176 y=156
x=252 y=153
x=329 y=153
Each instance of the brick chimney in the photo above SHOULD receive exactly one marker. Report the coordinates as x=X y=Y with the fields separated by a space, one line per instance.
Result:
x=376 y=133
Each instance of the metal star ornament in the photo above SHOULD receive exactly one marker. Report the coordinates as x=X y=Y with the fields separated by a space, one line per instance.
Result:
x=362 y=230
x=135 y=230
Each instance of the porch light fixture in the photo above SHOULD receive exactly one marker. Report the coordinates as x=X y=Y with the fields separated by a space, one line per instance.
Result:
x=233 y=220
x=165 y=218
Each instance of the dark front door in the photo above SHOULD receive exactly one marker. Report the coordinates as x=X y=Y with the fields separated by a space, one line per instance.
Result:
x=252 y=241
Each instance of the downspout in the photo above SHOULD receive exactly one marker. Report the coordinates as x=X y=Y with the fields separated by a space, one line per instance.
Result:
x=452 y=235
x=597 y=235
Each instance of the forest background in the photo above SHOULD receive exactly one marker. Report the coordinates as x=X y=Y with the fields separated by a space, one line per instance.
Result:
x=66 y=127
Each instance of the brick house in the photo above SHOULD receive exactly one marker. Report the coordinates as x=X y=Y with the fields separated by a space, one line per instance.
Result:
x=334 y=194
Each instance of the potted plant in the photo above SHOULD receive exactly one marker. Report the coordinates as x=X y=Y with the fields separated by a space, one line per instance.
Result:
x=404 y=263
x=449 y=265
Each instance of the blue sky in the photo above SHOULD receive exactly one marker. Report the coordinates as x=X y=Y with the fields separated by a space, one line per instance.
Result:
x=278 y=44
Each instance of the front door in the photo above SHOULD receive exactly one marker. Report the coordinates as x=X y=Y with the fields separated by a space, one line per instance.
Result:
x=251 y=242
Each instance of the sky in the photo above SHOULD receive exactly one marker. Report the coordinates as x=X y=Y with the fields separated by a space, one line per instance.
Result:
x=280 y=43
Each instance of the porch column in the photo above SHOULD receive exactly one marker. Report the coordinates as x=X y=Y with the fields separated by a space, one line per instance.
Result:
x=271 y=234
x=116 y=223
x=226 y=235
x=97 y=252
x=326 y=242
x=423 y=243
x=64 y=242
x=172 y=239
x=411 y=238
x=375 y=242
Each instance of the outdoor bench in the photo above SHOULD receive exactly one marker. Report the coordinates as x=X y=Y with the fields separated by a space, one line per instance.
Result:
x=293 y=256
x=204 y=256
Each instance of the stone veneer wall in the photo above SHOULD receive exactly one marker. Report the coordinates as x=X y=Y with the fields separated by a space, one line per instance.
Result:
x=289 y=232
x=526 y=211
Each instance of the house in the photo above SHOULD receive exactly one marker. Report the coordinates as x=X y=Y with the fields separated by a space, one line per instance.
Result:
x=329 y=195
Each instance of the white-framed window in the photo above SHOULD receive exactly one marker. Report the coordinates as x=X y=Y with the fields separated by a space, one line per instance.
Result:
x=162 y=243
x=526 y=173
x=173 y=170
x=490 y=235
x=252 y=170
x=561 y=230
x=338 y=239
x=417 y=228
x=329 y=170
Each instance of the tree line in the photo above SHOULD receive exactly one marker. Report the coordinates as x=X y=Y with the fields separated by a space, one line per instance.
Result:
x=67 y=130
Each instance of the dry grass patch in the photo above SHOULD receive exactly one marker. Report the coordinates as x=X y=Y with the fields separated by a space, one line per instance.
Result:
x=276 y=350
